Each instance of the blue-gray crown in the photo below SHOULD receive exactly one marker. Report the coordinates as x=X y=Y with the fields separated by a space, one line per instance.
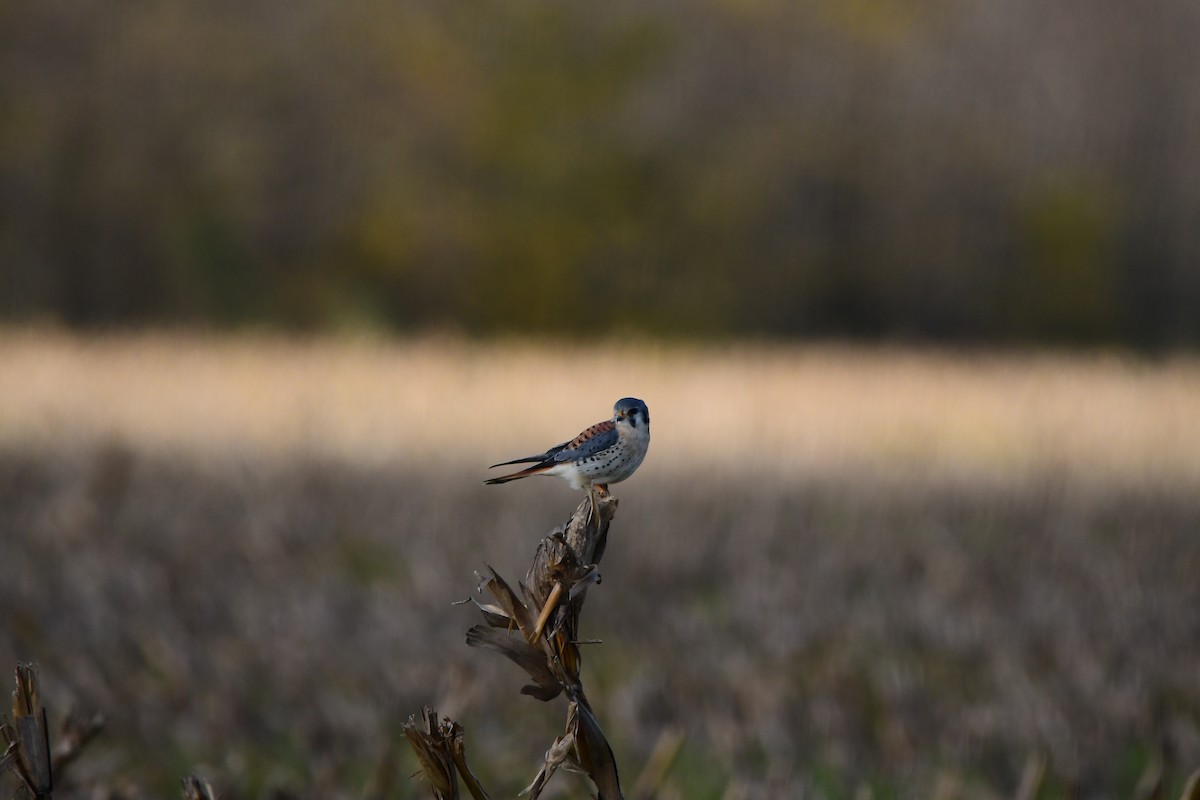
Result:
x=632 y=407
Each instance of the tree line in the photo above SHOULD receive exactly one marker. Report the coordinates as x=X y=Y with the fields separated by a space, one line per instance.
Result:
x=954 y=170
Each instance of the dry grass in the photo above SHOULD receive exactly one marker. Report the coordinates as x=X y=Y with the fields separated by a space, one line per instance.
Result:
x=784 y=410
x=243 y=553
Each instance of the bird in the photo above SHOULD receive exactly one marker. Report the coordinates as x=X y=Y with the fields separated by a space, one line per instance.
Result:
x=607 y=452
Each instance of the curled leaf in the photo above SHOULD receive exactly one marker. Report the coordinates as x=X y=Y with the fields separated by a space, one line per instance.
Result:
x=510 y=603
x=595 y=757
x=546 y=685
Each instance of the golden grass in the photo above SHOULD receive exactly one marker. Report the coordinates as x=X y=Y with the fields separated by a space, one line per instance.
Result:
x=775 y=410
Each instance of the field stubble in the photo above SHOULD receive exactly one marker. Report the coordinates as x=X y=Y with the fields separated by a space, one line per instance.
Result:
x=837 y=568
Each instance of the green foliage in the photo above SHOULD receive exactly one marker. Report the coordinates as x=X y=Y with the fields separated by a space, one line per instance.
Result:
x=1068 y=285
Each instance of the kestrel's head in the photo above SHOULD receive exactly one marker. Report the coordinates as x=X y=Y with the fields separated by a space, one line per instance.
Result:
x=632 y=411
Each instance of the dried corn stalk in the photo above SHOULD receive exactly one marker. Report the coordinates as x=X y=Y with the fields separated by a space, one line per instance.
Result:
x=536 y=627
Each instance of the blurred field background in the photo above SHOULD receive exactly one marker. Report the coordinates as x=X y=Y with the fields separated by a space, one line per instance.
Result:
x=841 y=567
x=910 y=288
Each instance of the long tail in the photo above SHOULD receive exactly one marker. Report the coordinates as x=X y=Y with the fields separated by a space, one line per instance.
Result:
x=525 y=460
x=525 y=473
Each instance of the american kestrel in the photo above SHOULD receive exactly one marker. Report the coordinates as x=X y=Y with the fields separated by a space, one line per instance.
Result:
x=608 y=452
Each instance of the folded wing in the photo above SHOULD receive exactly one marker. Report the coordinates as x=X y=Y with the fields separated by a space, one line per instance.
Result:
x=598 y=437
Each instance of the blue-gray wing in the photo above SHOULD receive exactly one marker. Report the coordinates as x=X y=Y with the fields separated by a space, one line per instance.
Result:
x=595 y=439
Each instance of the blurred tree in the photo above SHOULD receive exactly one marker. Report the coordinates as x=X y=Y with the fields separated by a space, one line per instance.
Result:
x=966 y=171
x=1064 y=286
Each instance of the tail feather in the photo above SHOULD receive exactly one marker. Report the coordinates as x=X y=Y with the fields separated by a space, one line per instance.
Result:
x=526 y=460
x=525 y=473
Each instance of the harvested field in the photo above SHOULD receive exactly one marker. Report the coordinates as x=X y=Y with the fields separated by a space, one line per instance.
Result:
x=840 y=569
